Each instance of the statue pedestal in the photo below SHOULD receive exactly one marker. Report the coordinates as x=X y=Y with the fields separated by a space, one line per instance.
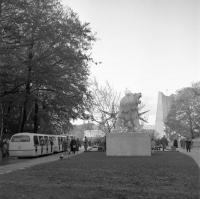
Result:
x=128 y=144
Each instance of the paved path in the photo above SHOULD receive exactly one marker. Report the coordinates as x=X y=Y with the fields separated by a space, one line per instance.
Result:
x=34 y=161
x=195 y=154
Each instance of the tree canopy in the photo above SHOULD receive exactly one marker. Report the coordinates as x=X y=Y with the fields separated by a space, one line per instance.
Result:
x=45 y=52
x=184 y=116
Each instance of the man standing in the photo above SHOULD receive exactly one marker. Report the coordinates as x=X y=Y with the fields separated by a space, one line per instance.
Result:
x=188 y=144
x=85 y=143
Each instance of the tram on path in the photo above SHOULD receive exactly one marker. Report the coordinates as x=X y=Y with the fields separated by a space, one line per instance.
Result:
x=33 y=145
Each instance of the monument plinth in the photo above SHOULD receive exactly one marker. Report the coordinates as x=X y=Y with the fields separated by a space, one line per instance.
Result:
x=128 y=144
x=128 y=139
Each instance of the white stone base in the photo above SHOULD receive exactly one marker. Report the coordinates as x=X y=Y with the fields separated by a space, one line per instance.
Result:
x=128 y=144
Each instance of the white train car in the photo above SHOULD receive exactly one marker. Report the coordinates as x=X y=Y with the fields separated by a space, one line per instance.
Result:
x=58 y=140
x=32 y=145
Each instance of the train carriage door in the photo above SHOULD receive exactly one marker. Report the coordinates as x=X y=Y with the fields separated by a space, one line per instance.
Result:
x=61 y=145
x=36 y=143
x=55 y=144
x=59 y=142
x=41 y=141
x=51 y=144
x=46 y=144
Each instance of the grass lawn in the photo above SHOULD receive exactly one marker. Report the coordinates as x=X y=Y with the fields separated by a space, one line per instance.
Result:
x=92 y=175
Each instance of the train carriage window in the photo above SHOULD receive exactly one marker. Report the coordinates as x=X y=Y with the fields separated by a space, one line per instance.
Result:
x=41 y=140
x=35 y=139
x=45 y=140
x=50 y=140
x=20 y=138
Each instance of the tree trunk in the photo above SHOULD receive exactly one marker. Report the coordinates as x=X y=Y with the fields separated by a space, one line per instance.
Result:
x=2 y=121
x=27 y=91
x=191 y=127
x=1 y=1
x=24 y=113
x=36 y=117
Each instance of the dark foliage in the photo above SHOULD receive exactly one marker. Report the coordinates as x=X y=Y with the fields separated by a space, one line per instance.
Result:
x=44 y=57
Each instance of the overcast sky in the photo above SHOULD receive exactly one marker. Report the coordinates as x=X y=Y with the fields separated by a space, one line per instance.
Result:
x=144 y=45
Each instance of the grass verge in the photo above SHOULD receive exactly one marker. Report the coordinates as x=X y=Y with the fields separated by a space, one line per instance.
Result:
x=93 y=175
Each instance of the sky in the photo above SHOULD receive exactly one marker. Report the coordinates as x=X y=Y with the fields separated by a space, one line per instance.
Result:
x=145 y=46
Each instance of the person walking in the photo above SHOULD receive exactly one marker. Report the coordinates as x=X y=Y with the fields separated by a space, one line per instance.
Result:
x=73 y=145
x=175 y=144
x=77 y=144
x=85 y=143
x=164 y=142
x=188 y=144
x=5 y=148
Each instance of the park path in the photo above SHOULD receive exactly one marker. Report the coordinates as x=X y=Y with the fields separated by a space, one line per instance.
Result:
x=35 y=161
x=195 y=154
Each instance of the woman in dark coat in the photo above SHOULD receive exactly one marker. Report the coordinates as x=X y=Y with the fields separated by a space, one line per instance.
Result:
x=73 y=145
x=175 y=143
x=77 y=144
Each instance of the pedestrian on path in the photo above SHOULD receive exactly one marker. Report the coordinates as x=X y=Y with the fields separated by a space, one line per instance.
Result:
x=5 y=148
x=78 y=144
x=164 y=142
x=73 y=145
x=188 y=143
x=85 y=143
x=175 y=143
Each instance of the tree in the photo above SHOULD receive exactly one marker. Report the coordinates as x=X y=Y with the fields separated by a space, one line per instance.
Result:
x=44 y=65
x=184 y=116
x=105 y=106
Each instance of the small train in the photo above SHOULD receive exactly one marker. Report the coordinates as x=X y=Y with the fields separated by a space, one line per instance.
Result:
x=33 y=145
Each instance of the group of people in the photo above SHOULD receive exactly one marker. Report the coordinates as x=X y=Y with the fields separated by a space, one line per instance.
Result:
x=71 y=145
x=186 y=144
x=74 y=145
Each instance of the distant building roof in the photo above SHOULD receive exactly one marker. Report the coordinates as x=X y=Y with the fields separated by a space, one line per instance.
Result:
x=94 y=133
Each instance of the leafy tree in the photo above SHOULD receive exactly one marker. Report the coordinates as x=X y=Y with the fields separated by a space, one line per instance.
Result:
x=184 y=116
x=44 y=65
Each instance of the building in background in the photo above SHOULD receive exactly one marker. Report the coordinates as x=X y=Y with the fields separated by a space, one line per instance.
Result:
x=163 y=108
x=94 y=133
